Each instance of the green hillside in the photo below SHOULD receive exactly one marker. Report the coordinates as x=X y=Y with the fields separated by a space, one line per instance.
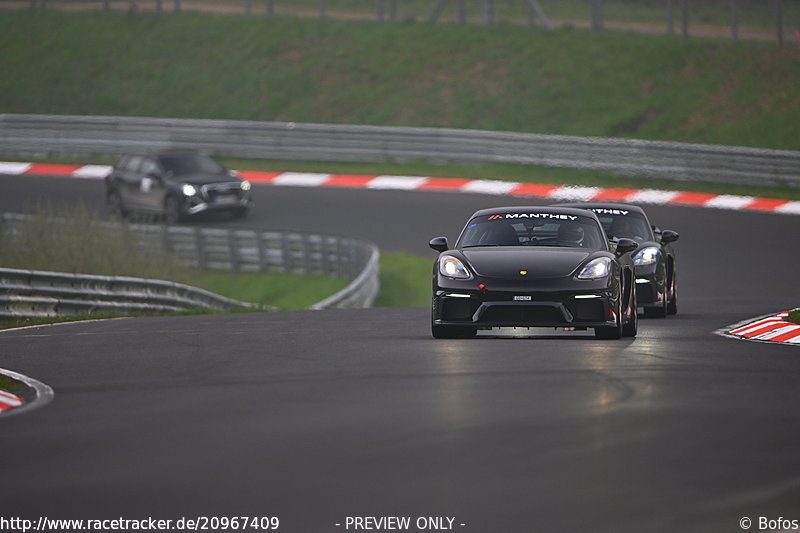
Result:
x=500 y=78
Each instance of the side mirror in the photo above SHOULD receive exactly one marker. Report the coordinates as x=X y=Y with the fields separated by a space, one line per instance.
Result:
x=439 y=244
x=669 y=236
x=626 y=245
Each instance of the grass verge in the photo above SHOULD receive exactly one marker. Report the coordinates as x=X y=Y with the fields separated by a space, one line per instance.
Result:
x=405 y=280
x=794 y=316
x=502 y=77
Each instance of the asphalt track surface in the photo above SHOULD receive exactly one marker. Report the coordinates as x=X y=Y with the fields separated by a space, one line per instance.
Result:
x=316 y=416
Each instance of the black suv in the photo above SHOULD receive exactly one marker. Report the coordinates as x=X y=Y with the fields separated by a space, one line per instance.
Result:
x=175 y=184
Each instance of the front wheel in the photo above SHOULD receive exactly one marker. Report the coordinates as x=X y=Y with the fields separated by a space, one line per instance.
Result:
x=172 y=210
x=115 y=206
x=660 y=310
x=632 y=327
x=672 y=302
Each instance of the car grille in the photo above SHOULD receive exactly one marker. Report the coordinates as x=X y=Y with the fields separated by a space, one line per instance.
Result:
x=521 y=315
x=215 y=191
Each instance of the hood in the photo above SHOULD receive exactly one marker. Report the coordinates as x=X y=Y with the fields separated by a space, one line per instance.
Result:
x=542 y=262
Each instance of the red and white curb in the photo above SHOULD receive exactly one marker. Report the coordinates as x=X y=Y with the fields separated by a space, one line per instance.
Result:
x=560 y=193
x=11 y=404
x=9 y=401
x=773 y=328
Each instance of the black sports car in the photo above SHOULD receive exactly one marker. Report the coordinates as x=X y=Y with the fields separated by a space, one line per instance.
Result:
x=175 y=184
x=533 y=267
x=654 y=261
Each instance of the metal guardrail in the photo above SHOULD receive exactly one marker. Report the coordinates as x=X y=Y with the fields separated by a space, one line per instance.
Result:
x=35 y=293
x=195 y=247
x=87 y=135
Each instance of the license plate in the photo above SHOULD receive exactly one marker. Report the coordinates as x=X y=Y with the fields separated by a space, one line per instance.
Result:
x=522 y=298
x=226 y=199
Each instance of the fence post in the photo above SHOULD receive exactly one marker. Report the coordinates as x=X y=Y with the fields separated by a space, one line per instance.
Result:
x=437 y=9
x=685 y=19
x=734 y=22
x=379 y=10
x=177 y=6
x=248 y=6
x=323 y=12
x=779 y=21
x=670 y=17
x=489 y=12
x=159 y=6
x=392 y=10
x=270 y=7
x=597 y=15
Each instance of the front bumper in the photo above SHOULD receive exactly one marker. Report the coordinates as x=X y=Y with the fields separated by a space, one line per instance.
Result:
x=487 y=309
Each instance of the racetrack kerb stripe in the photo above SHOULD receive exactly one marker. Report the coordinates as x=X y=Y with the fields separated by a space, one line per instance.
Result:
x=421 y=183
x=774 y=328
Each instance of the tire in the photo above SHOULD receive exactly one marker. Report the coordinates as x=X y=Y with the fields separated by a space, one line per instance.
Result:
x=672 y=301
x=453 y=332
x=172 y=210
x=632 y=328
x=610 y=332
x=658 y=311
x=116 y=207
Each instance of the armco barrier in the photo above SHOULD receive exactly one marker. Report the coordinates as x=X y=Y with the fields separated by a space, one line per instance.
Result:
x=33 y=293
x=196 y=247
x=87 y=135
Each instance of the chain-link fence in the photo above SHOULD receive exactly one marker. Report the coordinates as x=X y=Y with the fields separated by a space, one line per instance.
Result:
x=776 y=20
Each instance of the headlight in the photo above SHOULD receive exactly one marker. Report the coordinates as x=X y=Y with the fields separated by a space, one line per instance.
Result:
x=596 y=269
x=452 y=267
x=245 y=185
x=646 y=256
x=188 y=190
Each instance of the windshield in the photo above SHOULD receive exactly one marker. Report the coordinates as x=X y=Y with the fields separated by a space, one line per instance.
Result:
x=184 y=164
x=626 y=226
x=533 y=229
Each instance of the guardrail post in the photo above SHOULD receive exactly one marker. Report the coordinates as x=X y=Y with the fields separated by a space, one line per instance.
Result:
x=670 y=17
x=779 y=21
x=488 y=12
x=286 y=249
x=597 y=15
x=379 y=10
x=233 y=252
x=262 y=252
x=322 y=9
x=248 y=7
x=685 y=19
x=200 y=249
x=734 y=22
x=270 y=7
